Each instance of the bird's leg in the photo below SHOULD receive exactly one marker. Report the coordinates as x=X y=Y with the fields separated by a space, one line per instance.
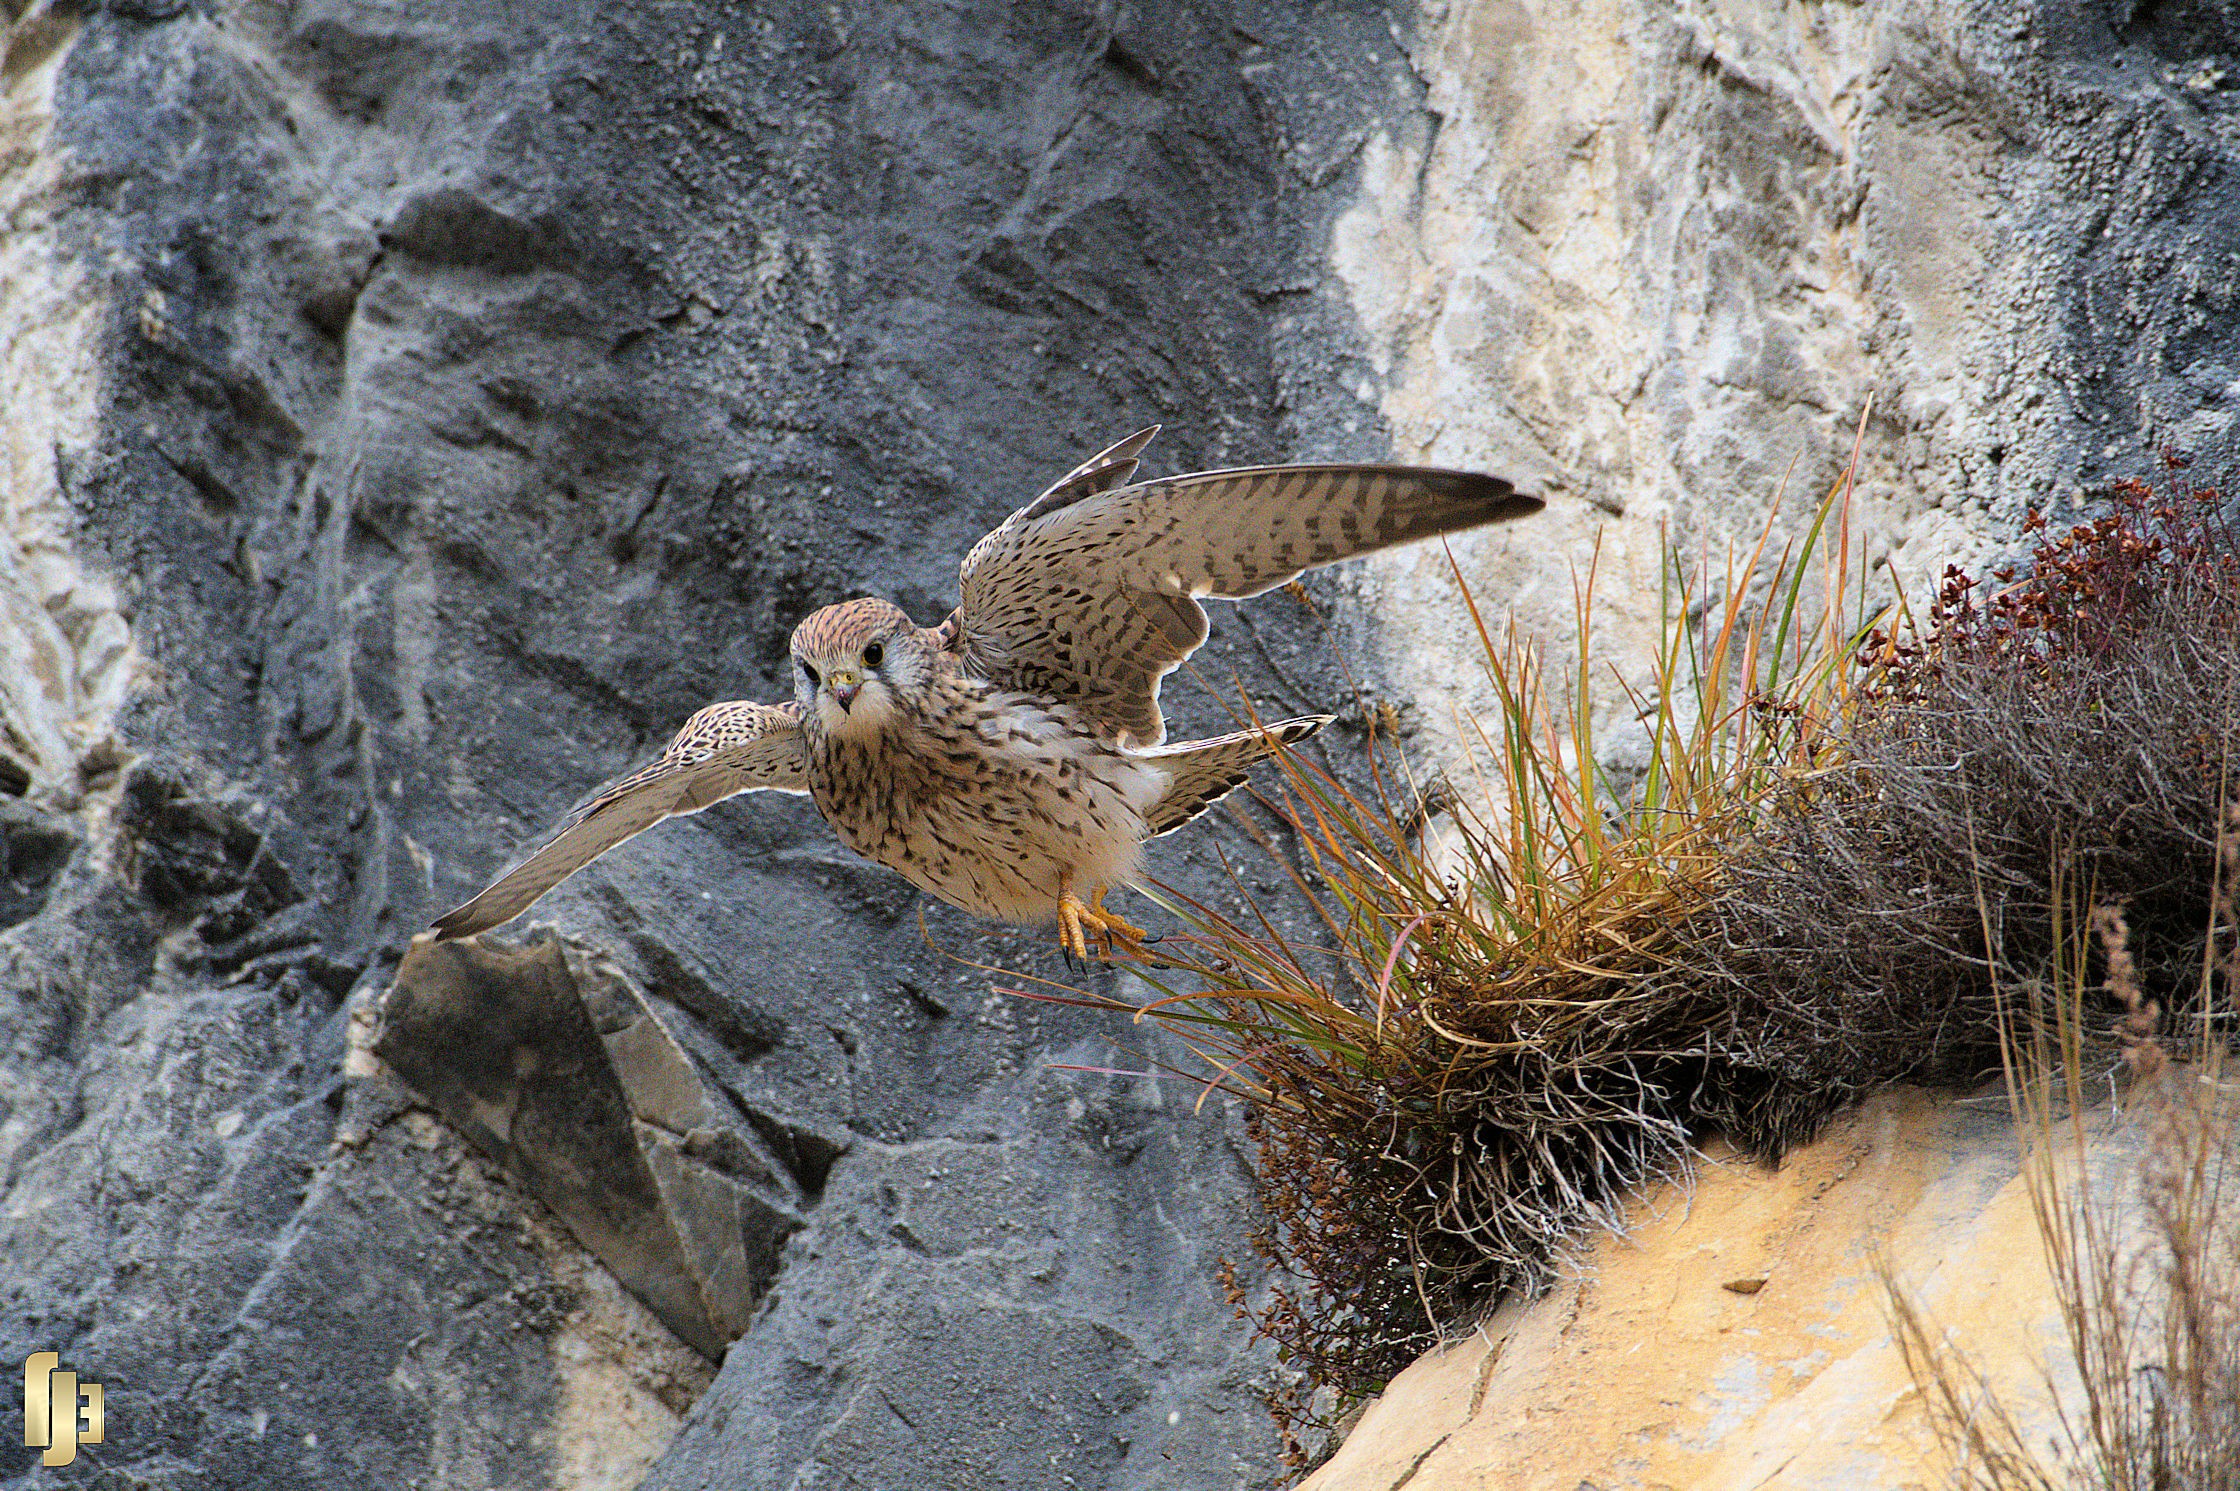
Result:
x=1070 y=912
x=1078 y=918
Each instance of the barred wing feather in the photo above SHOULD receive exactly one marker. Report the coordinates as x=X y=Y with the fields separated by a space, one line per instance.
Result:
x=1091 y=595
x=722 y=751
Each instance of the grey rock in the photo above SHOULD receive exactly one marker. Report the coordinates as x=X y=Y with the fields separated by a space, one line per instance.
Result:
x=1015 y=1305
x=478 y=394
x=560 y=1069
x=34 y=848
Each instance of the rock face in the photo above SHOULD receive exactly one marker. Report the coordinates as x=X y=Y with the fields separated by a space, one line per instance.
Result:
x=415 y=414
x=1672 y=256
x=435 y=409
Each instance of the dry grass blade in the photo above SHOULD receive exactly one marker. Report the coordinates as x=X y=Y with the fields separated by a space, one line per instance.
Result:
x=2145 y=1263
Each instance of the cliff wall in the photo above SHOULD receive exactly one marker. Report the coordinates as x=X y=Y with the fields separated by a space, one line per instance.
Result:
x=415 y=413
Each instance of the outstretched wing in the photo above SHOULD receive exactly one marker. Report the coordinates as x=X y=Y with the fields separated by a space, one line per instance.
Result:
x=1089 y=593
x=722 y=751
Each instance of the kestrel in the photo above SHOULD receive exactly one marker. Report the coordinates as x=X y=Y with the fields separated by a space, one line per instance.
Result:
x=1012 y=760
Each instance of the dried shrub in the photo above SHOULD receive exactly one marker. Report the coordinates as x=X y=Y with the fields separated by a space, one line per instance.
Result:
x=2083 y=711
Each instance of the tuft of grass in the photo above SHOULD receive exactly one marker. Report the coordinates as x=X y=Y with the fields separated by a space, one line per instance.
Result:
x=1835 y=848
x=1484 y=1048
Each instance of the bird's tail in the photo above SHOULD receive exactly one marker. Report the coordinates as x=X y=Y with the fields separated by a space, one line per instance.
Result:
x=1202 y=772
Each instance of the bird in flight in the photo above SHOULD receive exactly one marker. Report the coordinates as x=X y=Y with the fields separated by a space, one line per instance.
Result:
x=1013 y=760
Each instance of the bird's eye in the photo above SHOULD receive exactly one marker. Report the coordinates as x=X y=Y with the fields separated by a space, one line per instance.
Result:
x=809 y=673
x=874 y=655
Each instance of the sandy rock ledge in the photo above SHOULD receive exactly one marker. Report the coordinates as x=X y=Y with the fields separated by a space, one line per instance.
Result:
x=1738 y=1335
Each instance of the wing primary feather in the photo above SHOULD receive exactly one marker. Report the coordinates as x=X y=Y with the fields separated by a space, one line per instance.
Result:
x=1107 y=469
x=1120 y=451
x=722 y=751
x=1202 y=772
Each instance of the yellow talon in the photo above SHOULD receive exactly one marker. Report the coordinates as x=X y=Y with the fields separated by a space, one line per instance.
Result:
x=1112 y=922
x=1069 y=925
x=1077 y=918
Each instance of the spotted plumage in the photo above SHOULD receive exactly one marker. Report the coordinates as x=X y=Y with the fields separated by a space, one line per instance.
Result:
x=1012 y=760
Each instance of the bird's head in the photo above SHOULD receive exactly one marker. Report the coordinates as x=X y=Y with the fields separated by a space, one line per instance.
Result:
x=850 y=664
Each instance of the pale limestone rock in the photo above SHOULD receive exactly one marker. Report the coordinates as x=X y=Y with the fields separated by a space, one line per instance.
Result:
x=1664 y=258
x=67 y=659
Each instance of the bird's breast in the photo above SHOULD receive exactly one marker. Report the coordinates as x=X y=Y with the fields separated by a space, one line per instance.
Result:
x=988 y=803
